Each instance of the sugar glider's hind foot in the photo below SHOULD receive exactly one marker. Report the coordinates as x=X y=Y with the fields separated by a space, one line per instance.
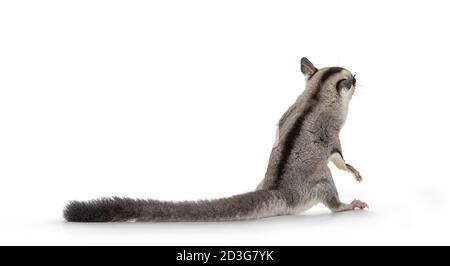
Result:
x=356 y=204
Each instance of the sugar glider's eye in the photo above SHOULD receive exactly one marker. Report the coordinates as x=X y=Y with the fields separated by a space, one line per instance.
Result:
x=343 y=83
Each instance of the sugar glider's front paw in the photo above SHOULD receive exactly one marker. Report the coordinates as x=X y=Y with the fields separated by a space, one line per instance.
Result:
x=355 y=172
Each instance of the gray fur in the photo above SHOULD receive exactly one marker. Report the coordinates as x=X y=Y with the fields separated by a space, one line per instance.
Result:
x=256 y=204
x=297 y=176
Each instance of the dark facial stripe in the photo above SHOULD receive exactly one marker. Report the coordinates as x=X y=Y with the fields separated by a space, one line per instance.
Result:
x=296 y=128
x=325 y=76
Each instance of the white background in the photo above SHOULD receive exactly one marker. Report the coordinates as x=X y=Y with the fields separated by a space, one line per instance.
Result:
x=178 y=100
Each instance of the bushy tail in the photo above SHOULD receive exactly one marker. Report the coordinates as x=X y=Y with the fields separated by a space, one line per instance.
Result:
x=256 y=204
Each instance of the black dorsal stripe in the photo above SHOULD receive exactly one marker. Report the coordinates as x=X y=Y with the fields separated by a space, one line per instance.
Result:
x=296 y=128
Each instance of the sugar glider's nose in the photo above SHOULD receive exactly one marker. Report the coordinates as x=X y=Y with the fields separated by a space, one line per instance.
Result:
x=354 y=80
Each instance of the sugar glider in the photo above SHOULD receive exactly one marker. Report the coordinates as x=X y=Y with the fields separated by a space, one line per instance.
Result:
x=297 y=176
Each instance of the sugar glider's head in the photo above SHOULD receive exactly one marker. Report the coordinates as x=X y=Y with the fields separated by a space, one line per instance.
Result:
x=329 y=84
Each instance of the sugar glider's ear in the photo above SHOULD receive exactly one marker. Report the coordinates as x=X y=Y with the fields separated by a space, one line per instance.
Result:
x=307 y=68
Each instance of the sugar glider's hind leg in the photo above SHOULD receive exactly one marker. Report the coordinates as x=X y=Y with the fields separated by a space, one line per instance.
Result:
x=326 y=192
